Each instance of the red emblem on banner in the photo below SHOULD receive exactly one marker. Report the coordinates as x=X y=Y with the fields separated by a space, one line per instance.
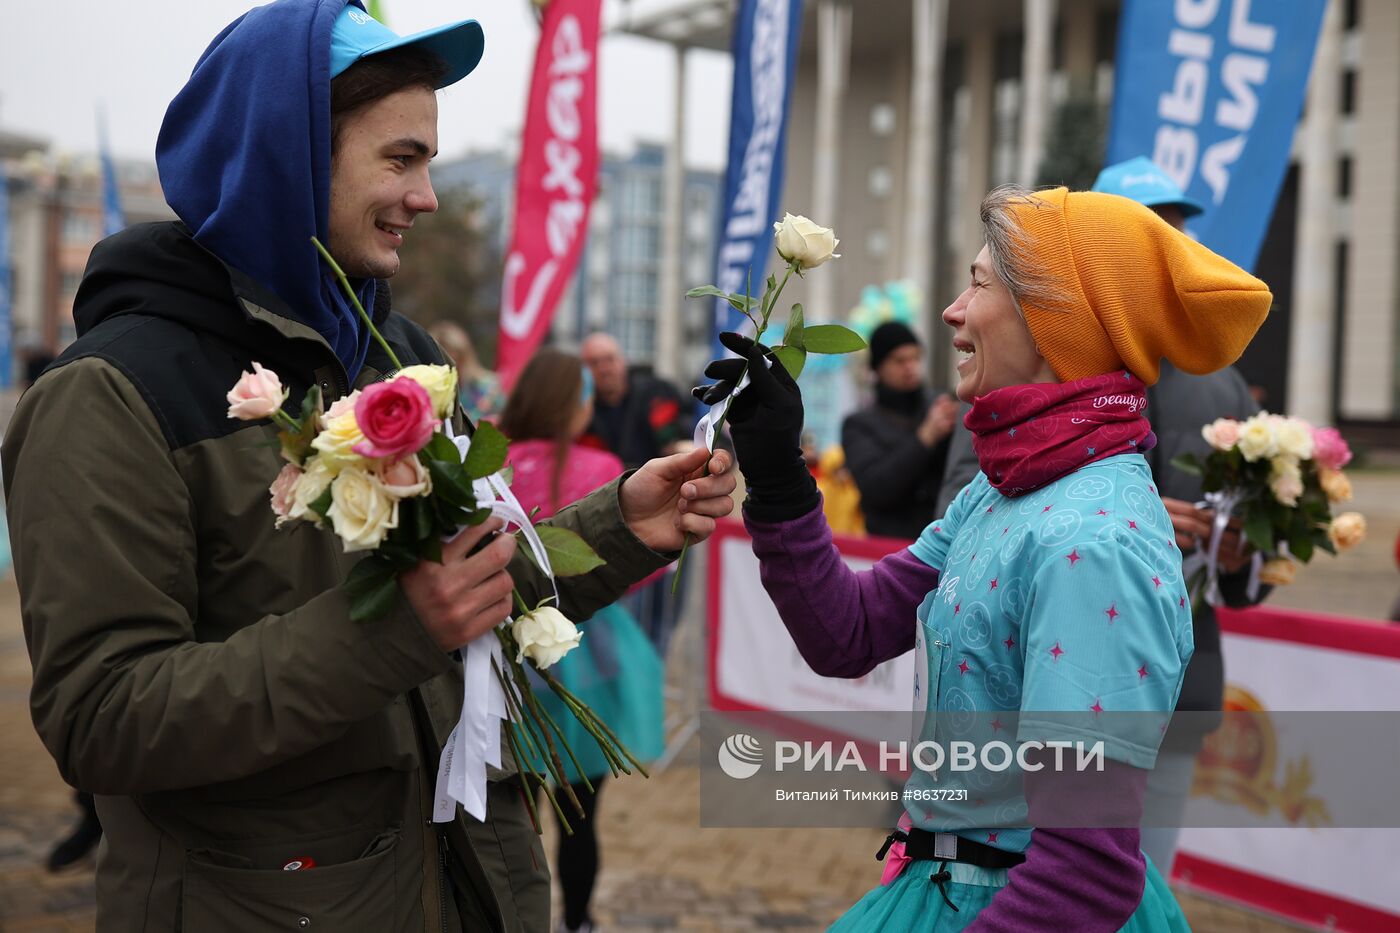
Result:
x=555 y=179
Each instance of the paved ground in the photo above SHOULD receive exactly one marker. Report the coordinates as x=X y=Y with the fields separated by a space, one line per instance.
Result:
x=661 y=871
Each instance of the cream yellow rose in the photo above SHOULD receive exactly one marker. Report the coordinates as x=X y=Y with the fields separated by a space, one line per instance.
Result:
x=362 y=512
x=440 y=382
x=1335 y=484
x=337 y=440
x=309 y=487
x=1278 y=572
x=1257 y=439
x=1286 y=480
x=544 y=636
x=1293 y=438
x=799 y=240
x=1347 y=530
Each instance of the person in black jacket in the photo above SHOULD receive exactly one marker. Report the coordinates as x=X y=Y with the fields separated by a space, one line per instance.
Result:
x=896 y=448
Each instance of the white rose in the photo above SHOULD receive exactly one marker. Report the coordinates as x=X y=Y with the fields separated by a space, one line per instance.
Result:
x=799 y=240
x=362 y=512
x=310 y=485
x=440 y=382
x=1257 y=440
x=544 y=636
x=405 y=478
x=1293 y=438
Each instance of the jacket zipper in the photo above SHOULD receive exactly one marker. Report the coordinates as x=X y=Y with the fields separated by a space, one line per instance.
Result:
x=442 y=879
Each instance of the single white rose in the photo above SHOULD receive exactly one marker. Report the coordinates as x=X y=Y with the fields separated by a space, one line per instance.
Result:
x=256 y=395
x=1347 y=530
x=440 y=382
x=361 y=511
x=544 y=636
x=404 y=478
x=337 y=440
x=1286 y=480
x=799 y=240
x=309 y=487
x=1257 y=440
x=1293 y=438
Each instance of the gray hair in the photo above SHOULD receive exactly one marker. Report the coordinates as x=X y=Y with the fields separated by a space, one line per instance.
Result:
x=1012 y=253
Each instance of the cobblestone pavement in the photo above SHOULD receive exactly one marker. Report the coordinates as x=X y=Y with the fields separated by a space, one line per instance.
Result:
x=661 y=872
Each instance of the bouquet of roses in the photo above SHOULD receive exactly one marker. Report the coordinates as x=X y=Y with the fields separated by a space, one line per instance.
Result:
x=1280 y=477
x=383 y=467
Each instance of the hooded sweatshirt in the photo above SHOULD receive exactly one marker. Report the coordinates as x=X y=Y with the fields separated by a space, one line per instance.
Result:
x=245 y=161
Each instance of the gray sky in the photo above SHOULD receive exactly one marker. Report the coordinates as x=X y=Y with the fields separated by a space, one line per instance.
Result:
x=60 y=58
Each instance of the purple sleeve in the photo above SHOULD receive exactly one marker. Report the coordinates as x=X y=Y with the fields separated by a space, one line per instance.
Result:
x=1087 y=880
x=844 y=623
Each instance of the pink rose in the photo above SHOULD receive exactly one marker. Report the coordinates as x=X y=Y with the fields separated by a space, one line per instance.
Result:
x=282 y=490
x=1222 y=433
x=1329 y=450
x=396 y=418
x=404 y=478
x=257 y=395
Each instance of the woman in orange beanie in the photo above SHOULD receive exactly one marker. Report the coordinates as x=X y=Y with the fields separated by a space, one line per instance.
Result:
x=1047 y=605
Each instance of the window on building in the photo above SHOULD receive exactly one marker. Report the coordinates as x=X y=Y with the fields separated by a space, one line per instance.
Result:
x=1344 y=177
x=1352 y=15
x=878 y=243
x=880 y=181
x=79 y=227
x=1349 y=91
x=882 y=119
x=71 y=281
x=643 y=195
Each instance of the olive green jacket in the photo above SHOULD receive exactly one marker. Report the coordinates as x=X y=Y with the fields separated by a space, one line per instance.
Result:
x=196 y=668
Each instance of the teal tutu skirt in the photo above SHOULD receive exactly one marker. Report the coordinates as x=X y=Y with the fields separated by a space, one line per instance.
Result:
x=615 y=671
x=912 y=903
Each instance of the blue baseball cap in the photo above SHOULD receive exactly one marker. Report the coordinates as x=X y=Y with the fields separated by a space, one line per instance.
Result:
x=356 y=35
x=1143 y=181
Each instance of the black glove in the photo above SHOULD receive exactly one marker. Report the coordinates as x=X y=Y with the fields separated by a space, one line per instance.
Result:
x=766 y=424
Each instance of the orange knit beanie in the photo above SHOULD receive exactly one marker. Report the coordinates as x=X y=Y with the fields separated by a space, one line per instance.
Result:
x=1134 y=290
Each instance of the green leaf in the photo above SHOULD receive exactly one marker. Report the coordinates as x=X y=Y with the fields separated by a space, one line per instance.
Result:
x=792 y=359
x=487 y=453
x=432 y=549
x=831 y=338
x=451 y=483
x=707 y=291
x=793 y=336
x=1188 y=463
x=440 y=448
x=372 y=587
x=322 y=505
x=1259 y=530
x=569 y=555
x=1300 y=545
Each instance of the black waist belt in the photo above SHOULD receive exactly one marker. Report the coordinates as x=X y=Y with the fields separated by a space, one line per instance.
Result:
x=921 y=845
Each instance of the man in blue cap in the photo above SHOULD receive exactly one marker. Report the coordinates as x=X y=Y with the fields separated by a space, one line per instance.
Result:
x=1143 y=181
x=259 y=760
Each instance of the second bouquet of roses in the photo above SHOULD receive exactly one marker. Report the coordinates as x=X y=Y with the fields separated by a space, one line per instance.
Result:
x=385 y=470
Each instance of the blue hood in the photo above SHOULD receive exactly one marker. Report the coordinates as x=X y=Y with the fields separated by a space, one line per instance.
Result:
x=245 y=161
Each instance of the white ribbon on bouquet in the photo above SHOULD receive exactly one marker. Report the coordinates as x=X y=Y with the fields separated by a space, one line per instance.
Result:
x=475 y=741
x=1224 y=502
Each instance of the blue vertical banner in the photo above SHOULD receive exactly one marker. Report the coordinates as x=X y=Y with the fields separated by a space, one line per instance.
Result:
x=6 y=322
x=1211 y=91
x=766 y=33
x=113 y=220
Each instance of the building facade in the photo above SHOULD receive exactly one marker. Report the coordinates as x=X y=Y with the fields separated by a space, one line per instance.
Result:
x=617 y=286
x=906 y=112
